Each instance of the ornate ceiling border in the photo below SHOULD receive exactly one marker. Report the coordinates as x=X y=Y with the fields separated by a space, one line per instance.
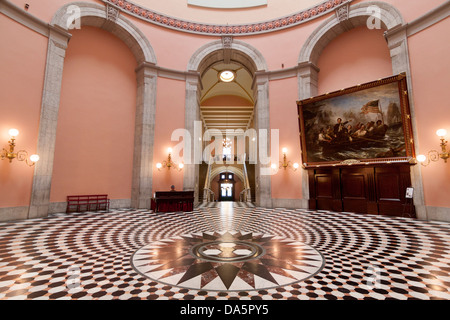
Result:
x=221 y=29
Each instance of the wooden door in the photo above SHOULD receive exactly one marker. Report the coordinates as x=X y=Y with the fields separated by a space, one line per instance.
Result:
x=367 y=190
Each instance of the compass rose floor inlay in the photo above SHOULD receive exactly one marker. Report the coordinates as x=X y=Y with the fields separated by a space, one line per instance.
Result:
x=227 y=261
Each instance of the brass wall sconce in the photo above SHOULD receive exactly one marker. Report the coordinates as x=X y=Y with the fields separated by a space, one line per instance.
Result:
x=169 y=163
x=285 y=164
x=435 y=155
x=20 y=155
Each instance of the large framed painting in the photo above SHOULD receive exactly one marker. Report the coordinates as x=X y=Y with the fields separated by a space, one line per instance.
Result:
x=365 y=124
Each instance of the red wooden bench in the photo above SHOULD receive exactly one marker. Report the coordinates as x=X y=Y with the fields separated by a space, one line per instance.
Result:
x=84 y=203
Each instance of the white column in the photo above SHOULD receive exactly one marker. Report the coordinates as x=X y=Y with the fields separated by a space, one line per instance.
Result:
x=141 y=192
x=192 y=115
x=308 y=78
x=398 y=46
x=263 y=183
x=42 y=179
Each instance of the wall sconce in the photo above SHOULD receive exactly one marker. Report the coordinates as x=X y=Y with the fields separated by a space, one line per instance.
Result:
x=287 y=164
x=434 y=155
x=169 y=163
x=20 y=155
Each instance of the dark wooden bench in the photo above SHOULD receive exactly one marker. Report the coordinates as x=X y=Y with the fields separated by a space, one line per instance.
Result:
x=84 y=203
x=171 y=201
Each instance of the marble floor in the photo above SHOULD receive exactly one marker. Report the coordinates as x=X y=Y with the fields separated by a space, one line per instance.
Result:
x=224 y=251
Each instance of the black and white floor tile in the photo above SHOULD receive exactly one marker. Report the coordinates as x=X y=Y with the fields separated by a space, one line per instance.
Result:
x=224 y=252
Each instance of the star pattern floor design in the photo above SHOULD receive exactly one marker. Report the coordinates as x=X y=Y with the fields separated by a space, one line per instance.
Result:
x=227 y=261
x=89 y=255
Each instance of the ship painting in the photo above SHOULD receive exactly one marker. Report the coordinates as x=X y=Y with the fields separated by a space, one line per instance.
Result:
x=365 y=124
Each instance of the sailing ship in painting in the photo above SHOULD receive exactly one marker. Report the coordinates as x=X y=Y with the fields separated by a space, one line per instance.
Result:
x=339 y=129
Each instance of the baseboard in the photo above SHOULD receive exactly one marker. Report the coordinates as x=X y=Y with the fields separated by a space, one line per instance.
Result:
x=57 y=207
x=13 y=213
x=438 y=214
x=290 y=203
x=120 y=203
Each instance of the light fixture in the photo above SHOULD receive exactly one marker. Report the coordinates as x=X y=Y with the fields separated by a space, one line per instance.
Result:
x=227 y=75
x=20 y=155
x=434 y=155
x=287 y=164
x=226 y=143
x=169 y=163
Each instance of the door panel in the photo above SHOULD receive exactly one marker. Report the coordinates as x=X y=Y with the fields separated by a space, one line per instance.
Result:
x=372 y=190
x=324 y=191
x=390 y=195
x=353 y=189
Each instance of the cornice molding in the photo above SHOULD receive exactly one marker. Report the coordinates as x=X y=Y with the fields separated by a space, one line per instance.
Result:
x=421 y=23
x=182 y=25
x=170 y=73
x=21 y=16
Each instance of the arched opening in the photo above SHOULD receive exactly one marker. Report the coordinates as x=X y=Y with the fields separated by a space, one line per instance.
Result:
x=228 y=110
x=389 y=20
x=110 y=20
x=98 y=121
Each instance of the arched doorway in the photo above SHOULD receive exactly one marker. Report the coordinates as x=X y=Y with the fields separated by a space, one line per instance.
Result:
x=227 y=105
x=226 y=187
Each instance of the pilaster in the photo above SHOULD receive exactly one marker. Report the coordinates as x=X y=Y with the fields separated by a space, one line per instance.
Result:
x=42 y=179
x=141 y=191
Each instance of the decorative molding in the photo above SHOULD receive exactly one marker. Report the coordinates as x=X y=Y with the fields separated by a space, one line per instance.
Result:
x=350 y=162
x=342 y=13
x=24 y=18
x=112 y=13
x=219 y=29
x=227 y=41
x=421 y=23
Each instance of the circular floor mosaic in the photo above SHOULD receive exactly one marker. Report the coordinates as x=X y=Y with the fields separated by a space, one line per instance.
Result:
x=227 y=261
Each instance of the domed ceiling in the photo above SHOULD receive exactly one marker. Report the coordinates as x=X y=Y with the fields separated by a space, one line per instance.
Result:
x=232 y=17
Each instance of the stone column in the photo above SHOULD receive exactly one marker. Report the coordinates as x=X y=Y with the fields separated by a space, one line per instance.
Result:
x=308 y=77
x=263 y=183
x=398 y=46
x=191 y=117
x=146 y=76
x=42 y=179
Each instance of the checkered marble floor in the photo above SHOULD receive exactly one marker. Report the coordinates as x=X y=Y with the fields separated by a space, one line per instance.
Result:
x=89 y=255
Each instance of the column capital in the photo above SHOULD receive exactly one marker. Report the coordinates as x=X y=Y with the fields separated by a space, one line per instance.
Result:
x=306 y=68
x=59 y=37
x=147 y=69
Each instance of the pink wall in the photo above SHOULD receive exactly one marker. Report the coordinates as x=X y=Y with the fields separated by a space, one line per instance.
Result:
x=286 y=184
x=430 y=70
x=356 y=56
x=95 y=134
x=170 y=101
x=22 y=64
